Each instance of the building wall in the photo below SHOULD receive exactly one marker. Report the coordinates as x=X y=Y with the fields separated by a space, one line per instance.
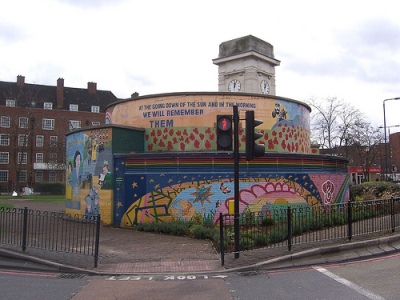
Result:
x=52 y=153
x=159 y=188
x=186 y=121
x=90 y=168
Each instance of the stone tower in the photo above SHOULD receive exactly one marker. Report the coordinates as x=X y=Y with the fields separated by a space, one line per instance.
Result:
x=246 y=65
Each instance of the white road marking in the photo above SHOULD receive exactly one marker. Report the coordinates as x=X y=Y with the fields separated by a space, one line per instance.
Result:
x=349 y=284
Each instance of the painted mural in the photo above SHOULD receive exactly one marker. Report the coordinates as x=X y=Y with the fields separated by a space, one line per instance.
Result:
x=160 y=197
x=89 y=174
x=186 y=122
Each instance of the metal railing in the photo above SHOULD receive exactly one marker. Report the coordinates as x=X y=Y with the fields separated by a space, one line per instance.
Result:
x=291 y=225
x=51 y=231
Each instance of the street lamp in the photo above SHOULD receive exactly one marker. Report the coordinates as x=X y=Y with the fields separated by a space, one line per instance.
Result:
x=384 y=125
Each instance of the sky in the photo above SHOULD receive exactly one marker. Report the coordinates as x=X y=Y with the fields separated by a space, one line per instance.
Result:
x=344 y=49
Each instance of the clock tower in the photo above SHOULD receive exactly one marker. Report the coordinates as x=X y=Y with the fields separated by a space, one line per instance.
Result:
x=246 y=65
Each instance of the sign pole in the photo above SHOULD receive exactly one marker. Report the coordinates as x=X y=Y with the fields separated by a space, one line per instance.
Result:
x=236 y=178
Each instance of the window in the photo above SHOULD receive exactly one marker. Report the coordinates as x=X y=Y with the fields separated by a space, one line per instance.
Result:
x=53 y=141
x=22 y=140
x=39 y=157
x=95 y=109
x=23 y=122
x=4 y=157
x=48 y=105
x=10 y=103
x=22 y=158
x=22 y=176
x=53 y=158
x=95 y=123
x=48 y=124
x=3 y=176
x=52 y=176
x=5 y=121
x=73 y=107
x=39 y=141
x=4 y=139
x=39 y=176
x=74 y=124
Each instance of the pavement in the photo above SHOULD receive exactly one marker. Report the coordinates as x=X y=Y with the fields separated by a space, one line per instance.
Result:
x=130 y=252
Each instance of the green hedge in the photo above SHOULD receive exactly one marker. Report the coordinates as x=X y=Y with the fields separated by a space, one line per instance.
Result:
x=50 y=188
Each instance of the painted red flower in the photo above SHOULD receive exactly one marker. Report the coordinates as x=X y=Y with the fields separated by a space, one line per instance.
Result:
x=196 y=130
x=159 y=132
x=171 y=132
x=270 y=144
x=182 y=146
x=201 y=135
x=150 y=147
x=175 y=140
x=178 y=133
x=147 y=137
x=155 y=140
x=170 y=146
x=207 y=144
x=161 y=143
x=196 y=144
x=212 y=136
x=153 y=133
x=192 y=137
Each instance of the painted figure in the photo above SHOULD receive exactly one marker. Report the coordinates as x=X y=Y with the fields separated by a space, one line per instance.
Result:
x=92 y=204
x=76 y=175
x=105 y=178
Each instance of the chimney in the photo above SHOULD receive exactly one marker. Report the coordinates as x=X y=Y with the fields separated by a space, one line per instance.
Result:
x=92 y=87
x=20 y=81
x=60 y=93
x=135 y=95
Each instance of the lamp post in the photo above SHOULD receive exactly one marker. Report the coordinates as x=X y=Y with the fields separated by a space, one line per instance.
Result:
x=384 y=125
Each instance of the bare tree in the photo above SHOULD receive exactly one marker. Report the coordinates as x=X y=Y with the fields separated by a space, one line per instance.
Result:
x=366 y=141
x=331 y=121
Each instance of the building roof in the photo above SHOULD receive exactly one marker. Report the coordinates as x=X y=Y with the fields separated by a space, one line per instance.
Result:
x=34 y=95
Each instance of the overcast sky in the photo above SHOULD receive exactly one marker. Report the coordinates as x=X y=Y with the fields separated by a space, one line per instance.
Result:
x=345 y=49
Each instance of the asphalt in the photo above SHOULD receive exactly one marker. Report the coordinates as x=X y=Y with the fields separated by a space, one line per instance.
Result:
x=130 y=252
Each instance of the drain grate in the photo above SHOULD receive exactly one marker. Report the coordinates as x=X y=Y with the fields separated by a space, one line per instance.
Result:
x=248 y=273
x=70 y=275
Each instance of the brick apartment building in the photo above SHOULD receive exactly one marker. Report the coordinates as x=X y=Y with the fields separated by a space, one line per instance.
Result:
x=33 y=122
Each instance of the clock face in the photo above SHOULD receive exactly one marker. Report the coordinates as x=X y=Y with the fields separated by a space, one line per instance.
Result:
x=234 y=86
x=264 y=87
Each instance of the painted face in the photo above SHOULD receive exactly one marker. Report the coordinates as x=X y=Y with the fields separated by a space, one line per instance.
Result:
x=78 y=161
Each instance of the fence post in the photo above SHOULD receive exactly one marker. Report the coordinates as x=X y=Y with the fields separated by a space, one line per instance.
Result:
x=392 y=218
x=289 y=224
x=350 y=218
x=24 y=228
x=221 y=238
x=97 y=242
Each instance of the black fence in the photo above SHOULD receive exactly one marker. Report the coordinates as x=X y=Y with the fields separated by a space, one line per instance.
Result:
x=52 y=231
x=291 y=225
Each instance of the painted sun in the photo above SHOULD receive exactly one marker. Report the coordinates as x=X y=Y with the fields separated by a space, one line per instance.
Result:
x=202 y=194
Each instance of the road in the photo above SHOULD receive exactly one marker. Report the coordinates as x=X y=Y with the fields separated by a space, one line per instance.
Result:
x=369 y=279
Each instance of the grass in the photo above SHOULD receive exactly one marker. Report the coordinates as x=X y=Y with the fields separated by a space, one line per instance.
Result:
x=36 y=198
